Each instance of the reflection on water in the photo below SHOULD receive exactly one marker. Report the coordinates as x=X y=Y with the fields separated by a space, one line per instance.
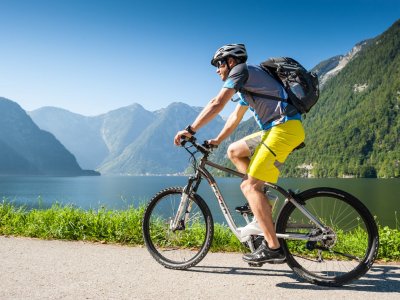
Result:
x=381 y=196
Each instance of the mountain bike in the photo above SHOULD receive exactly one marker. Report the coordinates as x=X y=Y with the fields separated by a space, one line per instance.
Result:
x=329 y=236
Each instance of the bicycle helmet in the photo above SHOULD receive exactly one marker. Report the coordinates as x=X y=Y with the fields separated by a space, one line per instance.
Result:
x=235 y=50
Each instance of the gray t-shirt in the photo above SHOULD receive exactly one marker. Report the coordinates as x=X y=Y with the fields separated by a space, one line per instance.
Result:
x=252 y=78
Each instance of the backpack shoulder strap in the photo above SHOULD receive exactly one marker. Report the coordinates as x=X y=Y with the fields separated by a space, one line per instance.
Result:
x=262 y=95
x=269 y=66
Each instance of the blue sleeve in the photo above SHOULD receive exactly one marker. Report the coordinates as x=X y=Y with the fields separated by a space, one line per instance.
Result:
x=242 y=103
x=242 y=100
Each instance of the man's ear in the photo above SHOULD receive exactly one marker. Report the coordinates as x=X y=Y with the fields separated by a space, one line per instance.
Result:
x=231 y=62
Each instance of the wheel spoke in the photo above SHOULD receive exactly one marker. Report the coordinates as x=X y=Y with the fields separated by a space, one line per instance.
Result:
x=337 y=254
x=185 y=246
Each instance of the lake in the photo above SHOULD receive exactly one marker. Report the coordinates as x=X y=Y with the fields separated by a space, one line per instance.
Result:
x=381 y=196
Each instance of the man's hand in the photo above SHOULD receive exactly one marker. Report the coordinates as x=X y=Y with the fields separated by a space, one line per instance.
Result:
x=178 y=136
x=215 y=142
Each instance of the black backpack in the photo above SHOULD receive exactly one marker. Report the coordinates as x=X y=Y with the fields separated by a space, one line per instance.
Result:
x=300 y=85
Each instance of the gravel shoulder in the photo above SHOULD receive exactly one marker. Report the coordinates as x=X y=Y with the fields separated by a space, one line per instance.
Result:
x=40 y=269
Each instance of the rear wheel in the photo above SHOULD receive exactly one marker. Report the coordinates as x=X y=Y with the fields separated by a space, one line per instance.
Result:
x=186 y=246
x=347 y=249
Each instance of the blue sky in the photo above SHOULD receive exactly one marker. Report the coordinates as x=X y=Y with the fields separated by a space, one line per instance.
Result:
x=91 y=57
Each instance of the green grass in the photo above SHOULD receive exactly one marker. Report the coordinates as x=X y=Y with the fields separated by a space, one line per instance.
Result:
x=125 y=227
x=71 y=223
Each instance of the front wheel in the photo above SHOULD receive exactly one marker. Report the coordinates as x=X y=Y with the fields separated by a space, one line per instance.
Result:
x=185 y=246
x=346 y=248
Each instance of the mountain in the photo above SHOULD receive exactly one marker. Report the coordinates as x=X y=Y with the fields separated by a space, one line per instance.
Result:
x=76 y=132
x=331 y=67
x=27 y=150
x=129 y=140
x=122 y=127
x=354 y=129
x=94 y=140
x=154 y=152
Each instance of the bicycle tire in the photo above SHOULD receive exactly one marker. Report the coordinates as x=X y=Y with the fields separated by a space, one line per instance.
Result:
x=183 y=248
x=337 y=260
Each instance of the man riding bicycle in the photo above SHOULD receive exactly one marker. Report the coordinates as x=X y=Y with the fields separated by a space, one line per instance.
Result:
x=258 y=155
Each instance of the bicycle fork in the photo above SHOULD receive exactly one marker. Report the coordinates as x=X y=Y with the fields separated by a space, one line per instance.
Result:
x=184 y=208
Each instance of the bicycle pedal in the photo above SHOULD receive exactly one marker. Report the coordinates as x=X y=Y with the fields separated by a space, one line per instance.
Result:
x=255 y=265
x=244 y=209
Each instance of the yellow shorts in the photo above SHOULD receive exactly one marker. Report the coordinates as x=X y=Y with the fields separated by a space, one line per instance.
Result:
x=270 y=149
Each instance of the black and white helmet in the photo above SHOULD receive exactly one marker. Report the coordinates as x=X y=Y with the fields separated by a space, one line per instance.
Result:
x=236 y=50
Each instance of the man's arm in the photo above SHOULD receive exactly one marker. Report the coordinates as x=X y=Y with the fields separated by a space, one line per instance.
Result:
x=212 y=109
x=231 y=124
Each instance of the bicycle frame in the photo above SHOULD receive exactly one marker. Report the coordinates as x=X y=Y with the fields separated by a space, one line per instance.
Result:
x=202 y=172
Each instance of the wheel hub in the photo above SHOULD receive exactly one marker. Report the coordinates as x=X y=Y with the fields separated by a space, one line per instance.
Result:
x=329 y=238
x=326 y=239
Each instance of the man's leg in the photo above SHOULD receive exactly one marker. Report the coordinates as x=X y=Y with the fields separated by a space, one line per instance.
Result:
x=252 y=189
x=273 y=150
x=269 y=251
x=239 y=153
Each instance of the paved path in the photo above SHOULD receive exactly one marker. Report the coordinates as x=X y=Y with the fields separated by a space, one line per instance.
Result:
x=37 y=269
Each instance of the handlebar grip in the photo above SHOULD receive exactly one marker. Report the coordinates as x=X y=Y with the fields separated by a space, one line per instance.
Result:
x=185 y=139
x=207 y=145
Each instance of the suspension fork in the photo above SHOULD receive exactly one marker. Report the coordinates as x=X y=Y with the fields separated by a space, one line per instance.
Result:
x=185 y=205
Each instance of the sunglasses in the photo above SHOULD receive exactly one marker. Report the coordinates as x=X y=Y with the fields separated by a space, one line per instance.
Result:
x=220 y=63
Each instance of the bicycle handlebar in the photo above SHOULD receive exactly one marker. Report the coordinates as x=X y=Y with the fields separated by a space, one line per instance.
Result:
x=204 y=148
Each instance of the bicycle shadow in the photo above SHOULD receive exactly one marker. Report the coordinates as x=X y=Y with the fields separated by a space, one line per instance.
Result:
x=240 y=271
x=378 y=279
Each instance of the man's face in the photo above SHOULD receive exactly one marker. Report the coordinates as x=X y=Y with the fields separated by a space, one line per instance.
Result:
x=222 y=70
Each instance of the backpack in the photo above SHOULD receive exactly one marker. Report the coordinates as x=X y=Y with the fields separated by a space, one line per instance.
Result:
x=300 y=85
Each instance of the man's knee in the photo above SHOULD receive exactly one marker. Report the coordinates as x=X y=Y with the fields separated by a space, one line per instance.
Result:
x=238 y=149
x=249 y=185
x=232 y=151
x=245 y=186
